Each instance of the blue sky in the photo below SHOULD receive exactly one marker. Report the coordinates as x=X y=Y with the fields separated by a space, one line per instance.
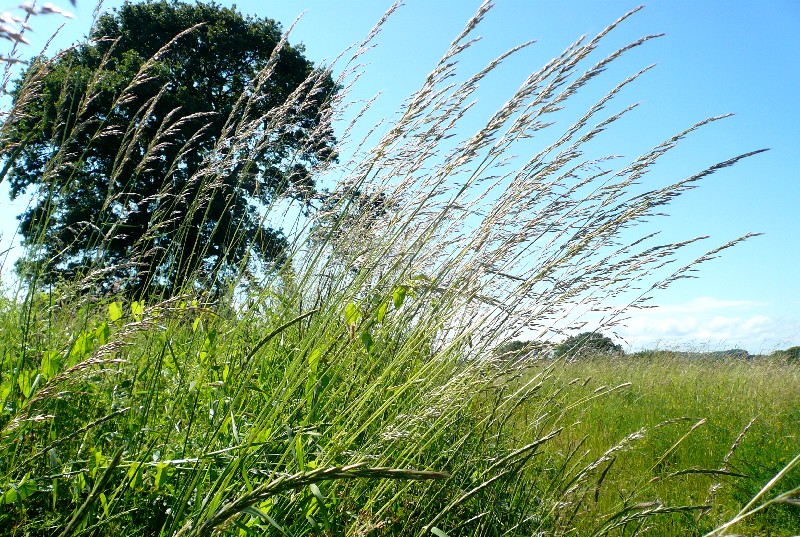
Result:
x=717 y=57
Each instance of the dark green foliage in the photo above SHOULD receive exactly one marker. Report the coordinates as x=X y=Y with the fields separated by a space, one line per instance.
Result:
x=790 y=355
x=516 y=349
x=588 y=344
x=730 y=355
x=124 y=156
x=512 y=347
x=741 y=354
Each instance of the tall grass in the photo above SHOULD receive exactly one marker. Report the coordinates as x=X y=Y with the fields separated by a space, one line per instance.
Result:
x=351 y=389
x=714 y=432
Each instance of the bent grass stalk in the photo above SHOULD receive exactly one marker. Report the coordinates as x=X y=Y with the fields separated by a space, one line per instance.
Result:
x=789 y=497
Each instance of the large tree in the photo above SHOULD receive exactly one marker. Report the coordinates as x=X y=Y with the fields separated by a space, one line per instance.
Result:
x=153 y=148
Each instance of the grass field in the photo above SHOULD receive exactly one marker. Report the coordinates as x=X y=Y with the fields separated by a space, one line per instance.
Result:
x=691 y=412
x=352 y=385
x=153 y=420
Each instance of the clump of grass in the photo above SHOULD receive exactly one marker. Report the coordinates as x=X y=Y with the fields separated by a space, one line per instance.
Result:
x=351 y=389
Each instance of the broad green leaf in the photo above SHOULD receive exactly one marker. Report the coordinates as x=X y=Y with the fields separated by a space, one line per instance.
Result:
x=101 y=333
x=351 y=314
x=366 y=339
x=313 y=360
x=379 y=316
x=135 y=475
x=317 y=493
x=25 y=382
x=26 y=487
x=19 y=491
x=10 y=496
x=115 y=311
x=264 y=435
x=5 y=389
x=322 y=505
x=266 y=506
x=82 y=346
x=137 y=309
x=439 y=533
x=162 y=470
x=51 y=364
x=399 y=296
x=311 y=509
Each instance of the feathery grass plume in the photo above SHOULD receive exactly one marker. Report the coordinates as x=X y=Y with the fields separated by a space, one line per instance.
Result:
x=350 y=386
x=13 y=28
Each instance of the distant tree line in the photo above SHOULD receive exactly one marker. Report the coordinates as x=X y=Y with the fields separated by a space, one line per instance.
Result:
x=595 y=344
x=790 y=355
x=584 y=345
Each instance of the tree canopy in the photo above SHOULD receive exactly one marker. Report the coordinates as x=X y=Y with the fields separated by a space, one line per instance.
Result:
x=516 y=349
x=588 y=344
x=153 y=148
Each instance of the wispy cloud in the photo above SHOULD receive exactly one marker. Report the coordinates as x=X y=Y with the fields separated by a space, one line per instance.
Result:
x=710 y=323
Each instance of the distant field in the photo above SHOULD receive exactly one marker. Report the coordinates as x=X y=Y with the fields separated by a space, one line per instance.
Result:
x=691 y=412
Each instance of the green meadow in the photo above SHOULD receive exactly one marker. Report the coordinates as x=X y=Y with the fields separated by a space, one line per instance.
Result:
x=709 y=432
x=230 y=322
x=178 y=418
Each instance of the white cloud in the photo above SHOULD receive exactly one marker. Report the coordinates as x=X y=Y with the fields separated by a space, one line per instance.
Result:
x=708 y=323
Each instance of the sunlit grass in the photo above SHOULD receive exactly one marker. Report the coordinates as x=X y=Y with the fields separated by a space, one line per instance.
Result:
x=691 y=411
x=353 y=388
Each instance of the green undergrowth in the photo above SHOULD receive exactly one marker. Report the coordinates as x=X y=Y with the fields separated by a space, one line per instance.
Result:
x=183 y=418
x=203 y=405
x=192 y=419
